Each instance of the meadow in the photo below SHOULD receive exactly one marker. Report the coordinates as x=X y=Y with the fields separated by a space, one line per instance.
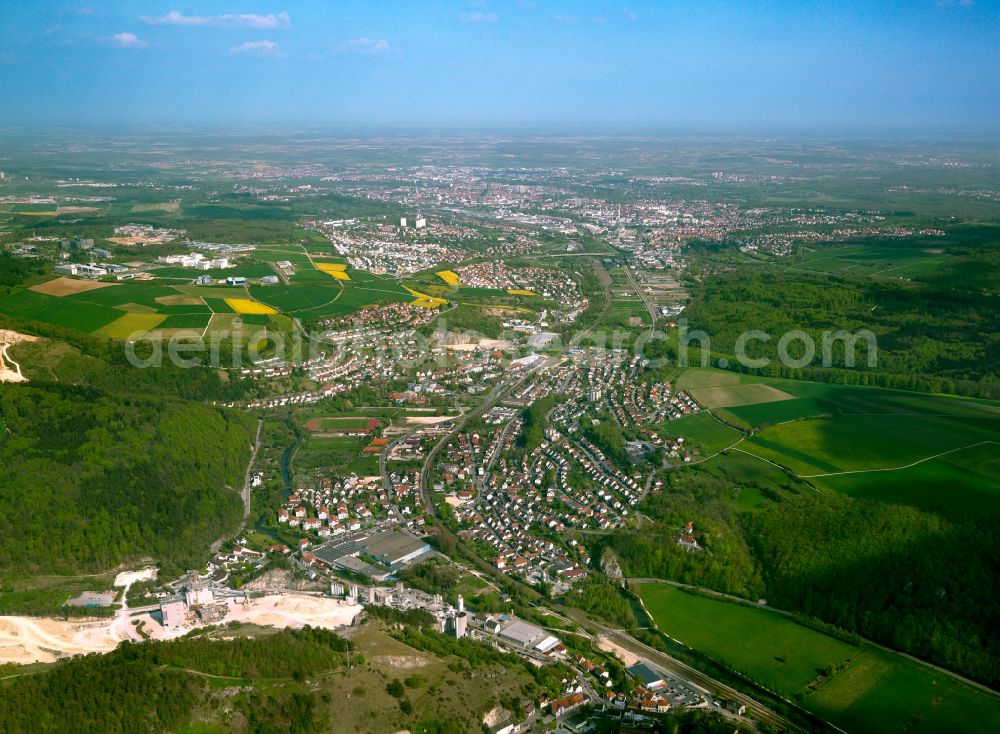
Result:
x=869 y=689
x=873 y=259
x=701 y=431
x=926 y=450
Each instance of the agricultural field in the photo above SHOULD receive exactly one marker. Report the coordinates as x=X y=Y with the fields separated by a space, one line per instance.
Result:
x=696 y=377
x=246 y=306
x=334 y=270
x=129 y=310
x=450 y=277
x=317 y=290
x=896 y=446
x=67 y=286
x=166 y=206
x=702 y=431
x=728 y=396
x=64 y=311
x=869 y=690
x=131 y=325
x=873 y=260
x=196 y=321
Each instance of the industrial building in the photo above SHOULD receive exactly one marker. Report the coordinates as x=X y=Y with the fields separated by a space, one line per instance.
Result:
x=173 y=614
x=518 y=633
x=394 y=549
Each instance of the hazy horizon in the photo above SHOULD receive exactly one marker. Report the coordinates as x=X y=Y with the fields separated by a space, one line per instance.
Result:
x=917 y=65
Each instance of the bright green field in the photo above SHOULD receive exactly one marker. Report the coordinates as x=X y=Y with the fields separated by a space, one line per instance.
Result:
x=144 y=294
x=826 y=430
x=97 y=311
x=328 y=297
x=702 y=431
x=219 y=305
x=891 y=457
x=964 y=479
x=186 y=321
x=872 y=260
x=777 y=412
x=72 y=314
x=294 y=299
x=876 y=692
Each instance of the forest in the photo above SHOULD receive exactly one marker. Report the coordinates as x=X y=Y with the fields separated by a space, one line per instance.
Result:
x=904 y=577
x=930 y=338
x=156 y=686
x=15 y=270
x=93 y=477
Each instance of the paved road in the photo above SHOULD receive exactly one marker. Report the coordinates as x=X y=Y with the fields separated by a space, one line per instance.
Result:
x=757 y=710
x=626 y=641
x=246 y=476
x=245 y=493
x=498 y=393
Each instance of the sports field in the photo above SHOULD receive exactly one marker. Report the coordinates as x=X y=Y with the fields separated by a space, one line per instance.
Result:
x=341 y=423
x=869 y=690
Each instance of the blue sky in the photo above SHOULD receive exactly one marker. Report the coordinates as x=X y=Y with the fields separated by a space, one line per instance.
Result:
x=534 y=64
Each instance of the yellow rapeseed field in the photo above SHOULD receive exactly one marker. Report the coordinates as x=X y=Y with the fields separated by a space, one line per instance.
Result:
x=335 y=270
x=425 y=300
x=245 y=305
